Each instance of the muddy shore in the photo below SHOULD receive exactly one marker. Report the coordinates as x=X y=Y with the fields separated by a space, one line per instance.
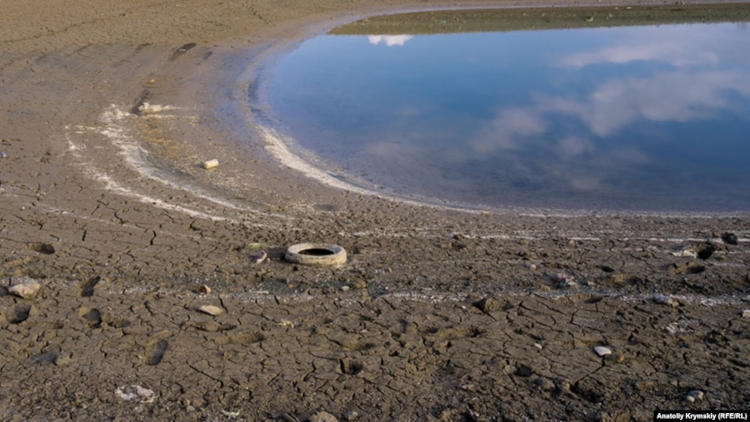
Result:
x=107 y=109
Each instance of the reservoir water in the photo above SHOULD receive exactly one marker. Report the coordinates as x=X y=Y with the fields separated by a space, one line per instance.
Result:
x=646 y=118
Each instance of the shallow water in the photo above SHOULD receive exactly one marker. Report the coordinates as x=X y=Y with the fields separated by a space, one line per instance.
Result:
x=649 y=118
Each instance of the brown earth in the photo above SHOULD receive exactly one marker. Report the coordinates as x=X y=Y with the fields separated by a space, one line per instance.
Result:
x=106 y=108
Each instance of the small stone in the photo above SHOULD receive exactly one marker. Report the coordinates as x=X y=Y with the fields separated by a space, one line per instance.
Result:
x=260 y=257
x=618 y=279
x=210 y=164
x=695 y=395
x=666 y=300
x=563 y=281
x=545 y=384
x=488 y=304
x=25 y=289
x=531 y=266
x=345 y=288
x=729 y=238
x=323 y=417
x=286 y=323
x=351 y=415
x=203 y=289
x=211 y=310
x=692 y=267
x=3 y=154
x=589 y=19
x=524 y=371
x=602 y=351
x=746 y=313
x=64 y=359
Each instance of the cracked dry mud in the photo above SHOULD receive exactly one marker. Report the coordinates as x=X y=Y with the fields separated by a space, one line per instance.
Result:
x=107 y=110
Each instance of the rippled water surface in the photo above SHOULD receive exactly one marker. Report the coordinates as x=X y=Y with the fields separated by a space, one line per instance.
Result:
x=638 y=118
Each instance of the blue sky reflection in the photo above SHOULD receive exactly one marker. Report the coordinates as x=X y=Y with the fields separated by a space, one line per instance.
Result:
x=647 y=118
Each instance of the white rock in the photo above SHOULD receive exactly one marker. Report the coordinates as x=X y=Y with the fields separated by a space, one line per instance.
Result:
x=211 y=310
x=602 y=351
x=686 y=252
x=210 y=164
x=746 y=313
x=25 y=289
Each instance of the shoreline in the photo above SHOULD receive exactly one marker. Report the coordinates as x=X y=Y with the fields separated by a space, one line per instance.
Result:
x=438 y=315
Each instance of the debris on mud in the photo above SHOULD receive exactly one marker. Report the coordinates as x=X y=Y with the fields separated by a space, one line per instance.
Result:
x=210 y=164
x=135 y=392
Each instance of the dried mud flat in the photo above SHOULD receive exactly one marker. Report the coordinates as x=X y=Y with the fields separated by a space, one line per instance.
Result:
x=108 y=108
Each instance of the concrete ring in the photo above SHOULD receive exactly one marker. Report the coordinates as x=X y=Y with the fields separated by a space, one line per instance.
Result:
x=316 y=254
